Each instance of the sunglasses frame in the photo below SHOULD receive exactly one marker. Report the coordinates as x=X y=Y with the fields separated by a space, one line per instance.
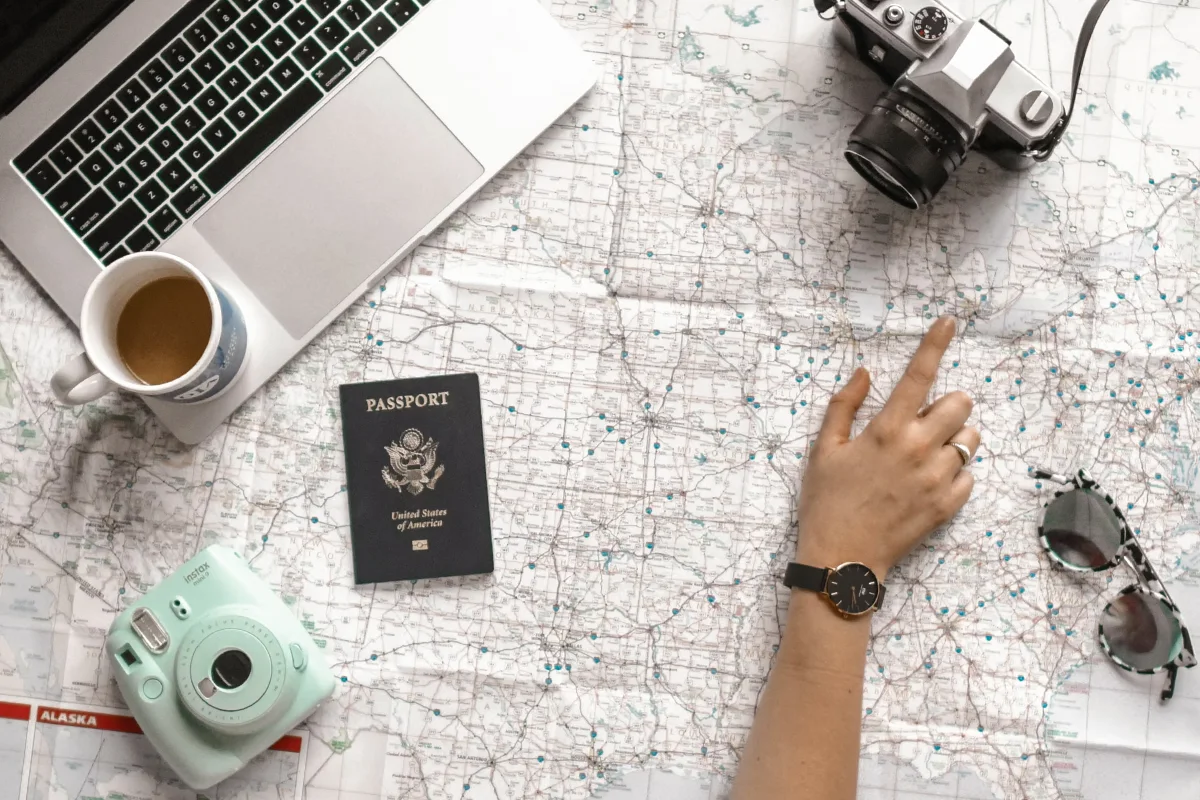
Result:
x=1130 y=553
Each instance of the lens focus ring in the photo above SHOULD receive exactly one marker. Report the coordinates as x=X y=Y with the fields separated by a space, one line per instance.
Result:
x=906 y=148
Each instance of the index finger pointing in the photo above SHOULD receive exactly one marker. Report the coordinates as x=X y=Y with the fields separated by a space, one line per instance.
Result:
x=909 y=395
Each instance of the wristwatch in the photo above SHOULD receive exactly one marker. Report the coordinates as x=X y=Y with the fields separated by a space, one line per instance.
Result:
x=852 y=587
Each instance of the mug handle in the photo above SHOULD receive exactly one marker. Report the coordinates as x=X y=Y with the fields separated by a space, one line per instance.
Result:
x=78 y=382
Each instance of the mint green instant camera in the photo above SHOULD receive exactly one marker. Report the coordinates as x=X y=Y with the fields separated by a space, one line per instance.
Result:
x=214 y=667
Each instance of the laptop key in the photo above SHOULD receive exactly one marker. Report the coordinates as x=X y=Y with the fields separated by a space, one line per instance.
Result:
x=141 y=240
x=245 y=5
x=117 y=147
x=211 y=102
x=331 y=33
x=84 y=216
x=402 y=10
x=253 y=26
x=218 y=135
x=200 y=35
x=190 y=199
x=300 y=22
x=65 y=156
x=331 y=72
x=120 y=183
x=264 y=94
x=144 y=163
x=255 y=62
x=375 y=4
x=166 y=143
x=279 y=42
x=276 y=9
x=118 y=225
x=233 y=82
x=231 y=46
x=111 y=115
x=323 y=7
x=140 y=127
x=286 y=73
x=309 y=53
x=155 y=75
x=188 y=123
x=173 y=175
x=294 y=105
x=179 y=55
x=87 y=136
x=165 y=222
x=43 y=176
x=96 y=168
x=163 y=107
x=196 y=155
x=354 y=13
x=151 y=195
x=117 y=253
x=133 y=95
x=209 y=66
x=241 y=114
x=222 y=15
x=186 y=86
x=68 y=192
x=379 y=29
x=356 y=49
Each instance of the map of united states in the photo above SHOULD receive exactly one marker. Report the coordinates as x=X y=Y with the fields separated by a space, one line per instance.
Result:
x=659 y=297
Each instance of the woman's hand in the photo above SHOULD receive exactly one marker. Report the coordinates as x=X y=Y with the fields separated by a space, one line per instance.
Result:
x=873 y=498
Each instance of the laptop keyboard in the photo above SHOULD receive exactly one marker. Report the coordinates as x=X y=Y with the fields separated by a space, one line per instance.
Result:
x=180 y=118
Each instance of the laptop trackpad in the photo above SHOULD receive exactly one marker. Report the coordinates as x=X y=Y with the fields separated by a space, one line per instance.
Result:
x=349 y=188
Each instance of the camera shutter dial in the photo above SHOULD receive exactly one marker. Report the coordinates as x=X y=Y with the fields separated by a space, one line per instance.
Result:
x=930 y=24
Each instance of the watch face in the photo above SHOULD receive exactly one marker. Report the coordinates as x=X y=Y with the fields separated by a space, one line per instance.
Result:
x=853 y=588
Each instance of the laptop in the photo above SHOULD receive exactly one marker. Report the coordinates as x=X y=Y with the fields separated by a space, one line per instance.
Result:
x=294 y=150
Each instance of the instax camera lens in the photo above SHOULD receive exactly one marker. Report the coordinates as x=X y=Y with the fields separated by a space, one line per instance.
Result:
x=231 y=669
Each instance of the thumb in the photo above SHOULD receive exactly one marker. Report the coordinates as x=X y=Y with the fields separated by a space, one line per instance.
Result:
x=843 y=407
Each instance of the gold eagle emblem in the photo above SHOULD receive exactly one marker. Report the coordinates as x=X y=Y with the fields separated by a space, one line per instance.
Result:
x=413 y=466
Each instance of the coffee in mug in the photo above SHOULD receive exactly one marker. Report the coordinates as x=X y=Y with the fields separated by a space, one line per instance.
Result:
x=164 y=328
x=154 y=325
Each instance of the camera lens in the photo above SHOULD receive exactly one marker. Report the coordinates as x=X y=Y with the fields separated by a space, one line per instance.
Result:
x=905 y=148
x=231 y=669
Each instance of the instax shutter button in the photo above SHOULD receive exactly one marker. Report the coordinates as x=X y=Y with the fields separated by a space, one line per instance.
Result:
x=299 y=660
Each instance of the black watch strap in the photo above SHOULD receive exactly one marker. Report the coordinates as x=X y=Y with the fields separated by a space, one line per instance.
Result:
x=802 y=576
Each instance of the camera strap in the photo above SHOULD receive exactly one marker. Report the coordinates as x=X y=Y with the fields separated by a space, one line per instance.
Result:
x=1047 y=145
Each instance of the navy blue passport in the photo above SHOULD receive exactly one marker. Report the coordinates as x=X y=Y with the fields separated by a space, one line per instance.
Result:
x=417 y=478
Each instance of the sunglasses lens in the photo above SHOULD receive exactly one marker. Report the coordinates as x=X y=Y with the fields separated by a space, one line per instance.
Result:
x=1140 y=631
x=1082 y=530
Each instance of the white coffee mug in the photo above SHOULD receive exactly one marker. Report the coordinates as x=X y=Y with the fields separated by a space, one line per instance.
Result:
x=99 y=369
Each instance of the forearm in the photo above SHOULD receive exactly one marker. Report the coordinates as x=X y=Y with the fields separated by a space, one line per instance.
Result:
x=805 y=739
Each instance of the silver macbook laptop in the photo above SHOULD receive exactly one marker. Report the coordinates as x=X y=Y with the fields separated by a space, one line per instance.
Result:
x=294 y=150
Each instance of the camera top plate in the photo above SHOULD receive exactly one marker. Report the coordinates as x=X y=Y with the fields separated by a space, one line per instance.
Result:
x=1004 y=102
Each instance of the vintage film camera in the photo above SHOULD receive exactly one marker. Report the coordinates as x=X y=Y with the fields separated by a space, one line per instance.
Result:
x=955 y=86
x=214 y=667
